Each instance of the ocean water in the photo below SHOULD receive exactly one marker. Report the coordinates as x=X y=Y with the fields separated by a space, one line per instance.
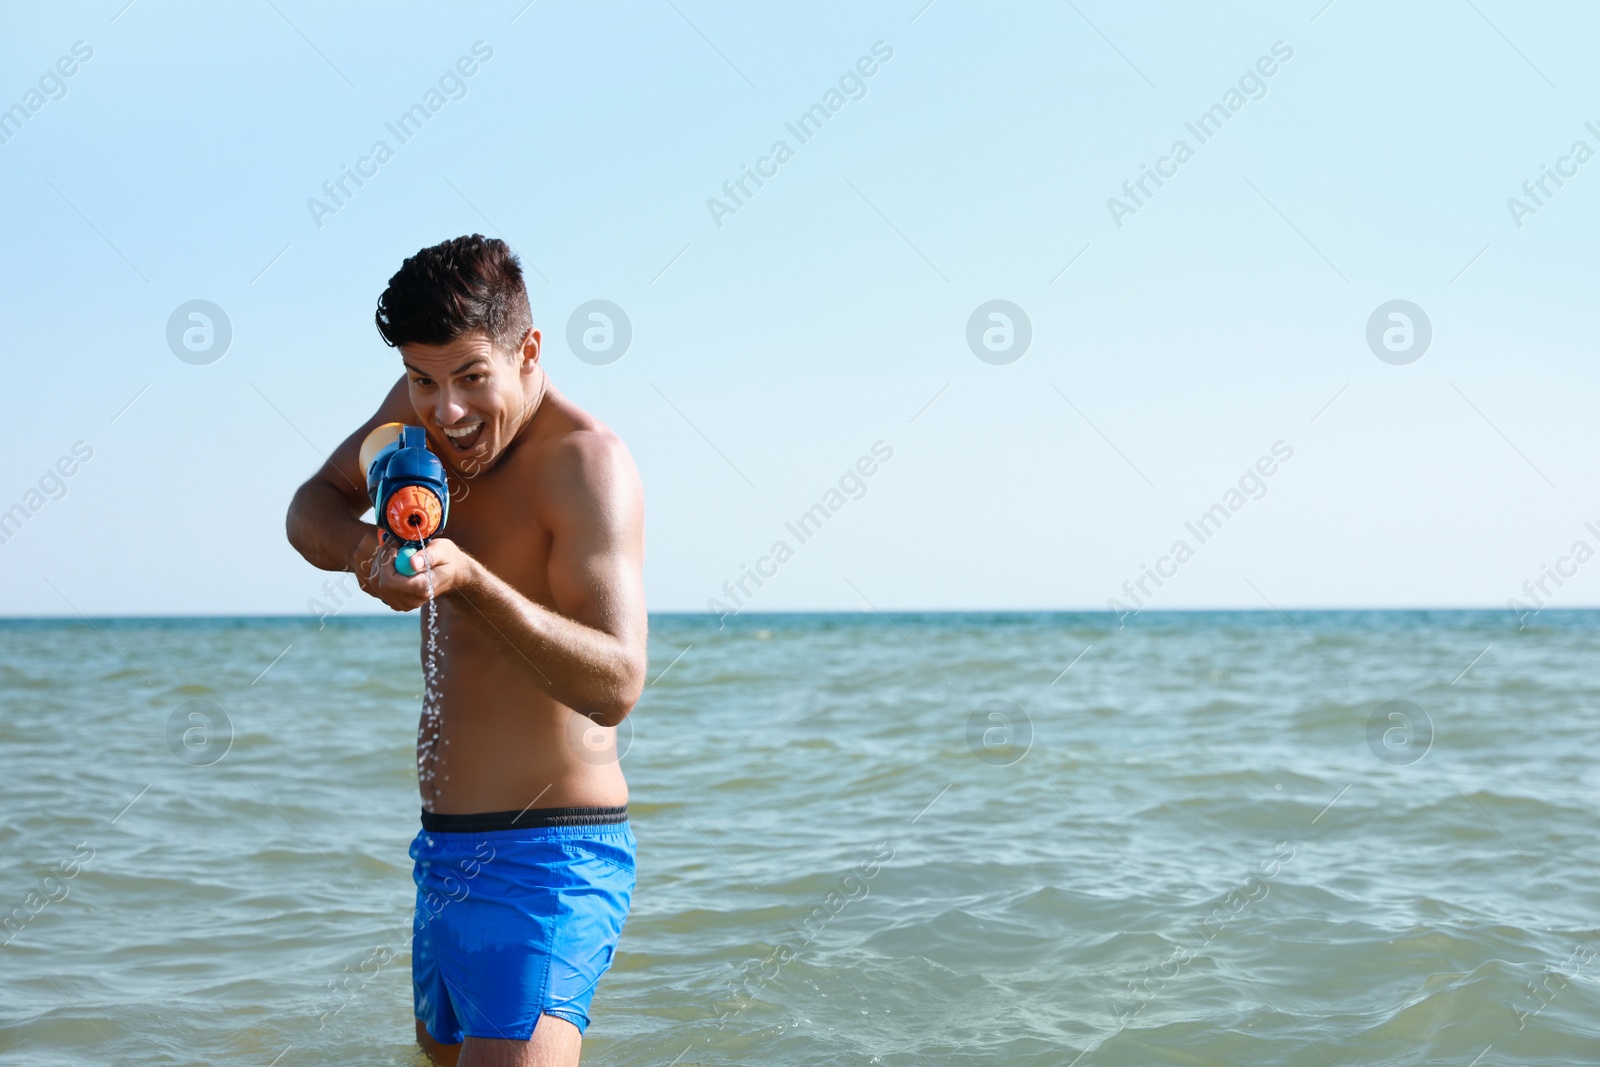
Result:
x=1205 y=838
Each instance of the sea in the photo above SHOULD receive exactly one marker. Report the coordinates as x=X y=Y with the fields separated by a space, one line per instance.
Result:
x=1190 y=838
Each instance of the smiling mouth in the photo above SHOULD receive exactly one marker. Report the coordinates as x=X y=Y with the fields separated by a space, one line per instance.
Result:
x=464 y=438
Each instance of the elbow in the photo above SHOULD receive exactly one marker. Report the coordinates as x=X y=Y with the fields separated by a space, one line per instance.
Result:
x=300 y=539
x=608 y=715
x=295 y=521
x=291 y=525
x=615 y=707
x=619 y=698
x=291 y=531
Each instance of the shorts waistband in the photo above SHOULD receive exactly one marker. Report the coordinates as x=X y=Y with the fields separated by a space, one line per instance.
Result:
x=526 y=819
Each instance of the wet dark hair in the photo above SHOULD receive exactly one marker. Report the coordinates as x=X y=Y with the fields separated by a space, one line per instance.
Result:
x=456 y=287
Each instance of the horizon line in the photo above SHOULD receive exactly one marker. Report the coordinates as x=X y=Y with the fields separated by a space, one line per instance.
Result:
x=797 y=613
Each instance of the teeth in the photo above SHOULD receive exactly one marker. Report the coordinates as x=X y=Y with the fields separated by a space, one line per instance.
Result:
x=461 y=432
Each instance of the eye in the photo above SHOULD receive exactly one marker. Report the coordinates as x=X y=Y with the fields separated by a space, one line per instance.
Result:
x=474 y=377
x=422 y=381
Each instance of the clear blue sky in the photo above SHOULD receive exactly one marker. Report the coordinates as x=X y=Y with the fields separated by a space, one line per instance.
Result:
x=1227 y=312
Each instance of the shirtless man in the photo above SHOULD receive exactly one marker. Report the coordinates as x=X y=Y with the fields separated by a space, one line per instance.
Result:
x=524 y=863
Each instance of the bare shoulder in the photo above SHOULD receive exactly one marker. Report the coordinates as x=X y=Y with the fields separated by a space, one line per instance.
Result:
x=584 y=469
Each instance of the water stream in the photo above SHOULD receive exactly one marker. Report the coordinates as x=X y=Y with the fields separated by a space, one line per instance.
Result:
x=429 y=727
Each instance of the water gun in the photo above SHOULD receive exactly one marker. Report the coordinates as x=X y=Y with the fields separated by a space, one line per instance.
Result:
x=410 y=497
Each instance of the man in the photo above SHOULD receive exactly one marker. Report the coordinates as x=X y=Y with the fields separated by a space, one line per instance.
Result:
x=524 y=863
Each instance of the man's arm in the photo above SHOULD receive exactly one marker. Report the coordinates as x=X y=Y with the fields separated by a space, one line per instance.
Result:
x=324 y=522
x=590 y=652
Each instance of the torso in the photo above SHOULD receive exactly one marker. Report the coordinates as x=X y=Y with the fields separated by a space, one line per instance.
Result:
x=503 y=743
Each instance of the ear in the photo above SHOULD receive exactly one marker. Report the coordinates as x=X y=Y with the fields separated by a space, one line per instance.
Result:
x=530 y=352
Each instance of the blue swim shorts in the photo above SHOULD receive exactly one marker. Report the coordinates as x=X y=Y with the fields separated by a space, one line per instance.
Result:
x=518 y=915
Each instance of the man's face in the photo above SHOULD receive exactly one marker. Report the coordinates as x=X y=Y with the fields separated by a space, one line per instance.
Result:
x=469 y=396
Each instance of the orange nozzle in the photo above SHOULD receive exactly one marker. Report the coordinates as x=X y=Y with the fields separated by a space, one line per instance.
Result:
x=413 y=512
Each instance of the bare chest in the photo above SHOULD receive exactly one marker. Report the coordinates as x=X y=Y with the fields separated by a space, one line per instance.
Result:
x=494 y=518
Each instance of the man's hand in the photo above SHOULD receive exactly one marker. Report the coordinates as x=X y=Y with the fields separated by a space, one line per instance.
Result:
x=452 y=569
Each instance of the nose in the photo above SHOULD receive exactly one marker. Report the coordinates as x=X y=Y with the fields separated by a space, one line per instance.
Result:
x=447 y=408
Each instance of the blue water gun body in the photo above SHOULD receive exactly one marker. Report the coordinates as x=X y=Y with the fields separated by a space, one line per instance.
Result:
x=406 y=481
